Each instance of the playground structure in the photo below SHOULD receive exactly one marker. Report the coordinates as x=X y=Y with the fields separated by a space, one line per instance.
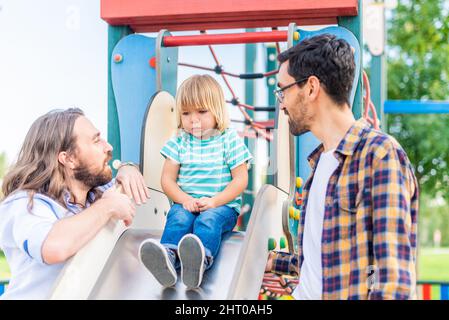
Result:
x=142 y=84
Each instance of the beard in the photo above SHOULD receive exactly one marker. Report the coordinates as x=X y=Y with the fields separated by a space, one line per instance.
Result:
x=299 y=122
x=297 y=128
x=92 y=178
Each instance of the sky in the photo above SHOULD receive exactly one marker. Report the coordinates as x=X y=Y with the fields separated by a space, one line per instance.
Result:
x=53 y=54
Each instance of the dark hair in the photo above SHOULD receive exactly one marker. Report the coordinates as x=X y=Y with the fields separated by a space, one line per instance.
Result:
x=329 y=59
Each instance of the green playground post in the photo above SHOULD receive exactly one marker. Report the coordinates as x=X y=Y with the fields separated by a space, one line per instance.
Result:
x=378 y=79
x=115 y=34
x=250 y=60
x=272 y=64
x=378 y=83
x=354 y=24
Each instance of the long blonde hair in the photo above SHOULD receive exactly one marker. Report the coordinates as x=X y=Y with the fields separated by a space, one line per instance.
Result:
x=37 y=169
x=202 y=92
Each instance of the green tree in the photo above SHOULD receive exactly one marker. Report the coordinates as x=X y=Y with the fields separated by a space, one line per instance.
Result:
x=418 y=68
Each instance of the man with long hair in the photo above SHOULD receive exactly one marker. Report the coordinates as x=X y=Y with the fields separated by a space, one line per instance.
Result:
x=58 y=196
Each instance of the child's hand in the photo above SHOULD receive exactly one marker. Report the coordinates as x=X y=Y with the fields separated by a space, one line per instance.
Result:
x=206 y=203
x=191 y=205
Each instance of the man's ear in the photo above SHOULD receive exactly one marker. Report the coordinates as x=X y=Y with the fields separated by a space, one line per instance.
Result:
x=66 y=160
x=314 y=88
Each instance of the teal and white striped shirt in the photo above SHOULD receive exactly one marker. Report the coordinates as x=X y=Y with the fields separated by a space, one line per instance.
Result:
x=205 y=165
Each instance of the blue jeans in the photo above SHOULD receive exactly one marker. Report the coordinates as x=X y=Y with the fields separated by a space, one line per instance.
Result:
x=208 y=225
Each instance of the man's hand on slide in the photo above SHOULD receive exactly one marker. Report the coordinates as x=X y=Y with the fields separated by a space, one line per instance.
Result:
x=133 y=184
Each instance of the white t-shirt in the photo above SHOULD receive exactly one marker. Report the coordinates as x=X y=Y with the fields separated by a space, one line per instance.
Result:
x=311 y=279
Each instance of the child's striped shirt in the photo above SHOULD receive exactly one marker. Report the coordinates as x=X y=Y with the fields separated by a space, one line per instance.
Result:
x=205 y=165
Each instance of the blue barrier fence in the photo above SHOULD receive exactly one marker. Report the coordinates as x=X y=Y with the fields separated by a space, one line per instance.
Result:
x=427 y=290
x=415 y=106
x=433 y=290
x=3 y=285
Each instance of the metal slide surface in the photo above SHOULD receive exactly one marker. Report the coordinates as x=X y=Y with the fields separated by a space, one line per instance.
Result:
x=124 y=277
x=236 y=274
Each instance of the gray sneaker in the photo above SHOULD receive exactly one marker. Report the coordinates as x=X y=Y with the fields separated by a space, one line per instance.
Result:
x=191 y=253
x=156 y=258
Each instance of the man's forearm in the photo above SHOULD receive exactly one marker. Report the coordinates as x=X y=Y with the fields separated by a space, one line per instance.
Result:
x=69 y=235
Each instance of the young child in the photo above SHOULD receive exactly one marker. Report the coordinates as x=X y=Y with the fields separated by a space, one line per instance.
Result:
x=204 y=174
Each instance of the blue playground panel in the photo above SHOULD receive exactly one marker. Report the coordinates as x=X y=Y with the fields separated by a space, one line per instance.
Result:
x=134 y=83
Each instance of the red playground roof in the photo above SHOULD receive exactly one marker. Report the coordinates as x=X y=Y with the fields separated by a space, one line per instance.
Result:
x=176 y=15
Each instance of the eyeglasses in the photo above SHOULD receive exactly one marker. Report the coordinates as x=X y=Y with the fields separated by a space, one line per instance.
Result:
x=279 y=93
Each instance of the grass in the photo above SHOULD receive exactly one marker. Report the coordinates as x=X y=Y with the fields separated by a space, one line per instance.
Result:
x=4 y=268
x=433 y=264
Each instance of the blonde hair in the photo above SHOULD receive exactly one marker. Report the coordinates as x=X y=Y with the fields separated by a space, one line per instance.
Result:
x=202 y=92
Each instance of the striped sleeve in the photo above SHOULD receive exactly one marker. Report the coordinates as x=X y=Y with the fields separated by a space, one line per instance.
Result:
x=106 y=186
x=171 y=150
x=236 y=151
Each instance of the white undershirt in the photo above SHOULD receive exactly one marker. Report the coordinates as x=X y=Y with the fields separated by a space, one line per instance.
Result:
x=311 y=279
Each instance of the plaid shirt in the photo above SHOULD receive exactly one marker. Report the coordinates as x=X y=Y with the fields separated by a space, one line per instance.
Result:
x=370 y=220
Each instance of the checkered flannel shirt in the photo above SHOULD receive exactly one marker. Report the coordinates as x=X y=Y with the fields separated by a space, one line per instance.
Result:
x=370 y=220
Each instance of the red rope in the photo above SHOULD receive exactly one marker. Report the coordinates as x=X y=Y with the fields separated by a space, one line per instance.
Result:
x=278 y=49
x=266 y=74
x=222 y=75
x=270 y=73
x=195 y=66
x=246 y=106
x=368 y=104
x=247 y=133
